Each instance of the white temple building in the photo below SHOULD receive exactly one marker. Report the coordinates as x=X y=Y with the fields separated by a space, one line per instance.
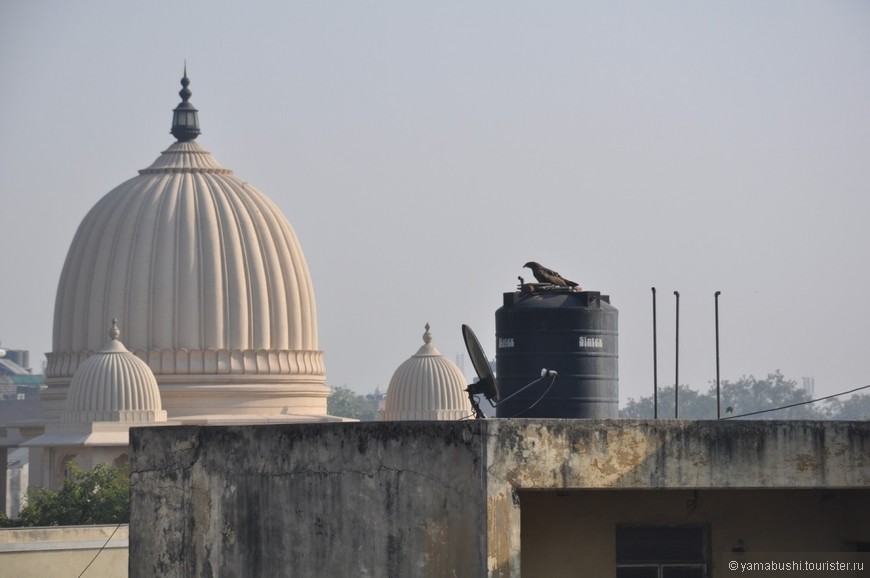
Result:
x=427 y=386
x=208 y=283
x=206 y=279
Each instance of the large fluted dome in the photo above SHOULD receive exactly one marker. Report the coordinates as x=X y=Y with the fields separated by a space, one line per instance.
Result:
x=209 y=281
x=113 y=385
x=428 y=386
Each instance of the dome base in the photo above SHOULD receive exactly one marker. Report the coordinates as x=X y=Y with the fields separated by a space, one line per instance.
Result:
x=184 y=395
x=239 y=398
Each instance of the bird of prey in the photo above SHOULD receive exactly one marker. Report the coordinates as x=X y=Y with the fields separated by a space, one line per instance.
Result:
x=544 y=275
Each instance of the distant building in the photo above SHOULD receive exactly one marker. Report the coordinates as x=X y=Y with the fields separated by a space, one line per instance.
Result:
x=20 y=357
x=19 y=402
x=809 y=385
x=17 y=381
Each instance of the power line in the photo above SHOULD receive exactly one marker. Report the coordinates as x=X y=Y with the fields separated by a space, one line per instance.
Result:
x=100 y=551
x=797 y=404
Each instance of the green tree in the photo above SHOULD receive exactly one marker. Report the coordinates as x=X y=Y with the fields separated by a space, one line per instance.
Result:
x=749 y=394
x=745 y=395
x=693 y=405
x=7 y=522
x=856 y=407
x=99 y=496
x=343 y=402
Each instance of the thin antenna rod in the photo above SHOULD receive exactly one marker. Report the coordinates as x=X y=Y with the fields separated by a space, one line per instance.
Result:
x=677 y=363
x=655 y=361
x=718 y=398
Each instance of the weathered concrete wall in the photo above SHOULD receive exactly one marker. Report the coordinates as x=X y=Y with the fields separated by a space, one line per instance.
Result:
x=666 y=454
x=354 y=499
x=679 y=454
x=87 y=551
x=432 y=498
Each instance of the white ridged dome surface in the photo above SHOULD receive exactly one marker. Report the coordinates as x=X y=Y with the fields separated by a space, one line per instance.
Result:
x=113 y=385
x=427 y=386
x=210 y=283
x=189 y=257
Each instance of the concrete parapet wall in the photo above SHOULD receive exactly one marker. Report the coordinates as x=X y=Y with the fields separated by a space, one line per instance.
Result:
x=420 y=499
x=561 y=454
x=385 y=499
x=64 y=551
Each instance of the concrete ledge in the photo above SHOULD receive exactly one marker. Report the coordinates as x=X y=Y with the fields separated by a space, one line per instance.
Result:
x=63 y=538
x=64 y=551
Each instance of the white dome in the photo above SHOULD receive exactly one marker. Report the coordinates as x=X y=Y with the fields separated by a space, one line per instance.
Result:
x=209 y=280
x=428 y=386
x=113 y=385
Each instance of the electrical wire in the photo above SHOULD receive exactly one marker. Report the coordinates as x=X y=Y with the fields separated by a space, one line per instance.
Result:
x=796 y=404
x=100 y=551
x=549 y=387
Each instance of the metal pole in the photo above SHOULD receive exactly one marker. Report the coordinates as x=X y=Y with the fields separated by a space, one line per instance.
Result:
x=655 y=362
x=718 y=402
x=677 y=363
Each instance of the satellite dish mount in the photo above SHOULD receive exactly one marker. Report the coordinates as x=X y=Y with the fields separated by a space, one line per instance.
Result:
x=487 y=385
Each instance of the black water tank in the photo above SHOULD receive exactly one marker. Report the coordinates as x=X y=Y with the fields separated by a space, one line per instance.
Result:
x=574 y=334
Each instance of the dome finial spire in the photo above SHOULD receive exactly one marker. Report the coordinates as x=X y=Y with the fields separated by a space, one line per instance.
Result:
x=427 y=337
x=185 y=120
x=114 y=332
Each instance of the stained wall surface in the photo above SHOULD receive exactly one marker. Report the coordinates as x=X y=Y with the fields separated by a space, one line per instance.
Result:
x=445 y=498
x=99 y=550
x=364 y=499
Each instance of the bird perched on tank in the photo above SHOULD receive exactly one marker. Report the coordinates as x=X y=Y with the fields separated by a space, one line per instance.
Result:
x=544 y=275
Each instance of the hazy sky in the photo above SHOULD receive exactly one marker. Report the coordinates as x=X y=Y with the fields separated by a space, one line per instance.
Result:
x=423 y=152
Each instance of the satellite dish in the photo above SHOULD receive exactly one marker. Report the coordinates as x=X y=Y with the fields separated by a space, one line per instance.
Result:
x=486 y=384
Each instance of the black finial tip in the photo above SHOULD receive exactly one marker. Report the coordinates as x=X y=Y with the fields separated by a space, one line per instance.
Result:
x=185 y=92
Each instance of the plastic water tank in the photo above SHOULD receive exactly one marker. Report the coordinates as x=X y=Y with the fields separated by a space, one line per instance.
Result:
x=574 y=334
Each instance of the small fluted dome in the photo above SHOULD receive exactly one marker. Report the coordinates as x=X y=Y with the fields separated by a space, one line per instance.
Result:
x=113 y=385
x=428 y=386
